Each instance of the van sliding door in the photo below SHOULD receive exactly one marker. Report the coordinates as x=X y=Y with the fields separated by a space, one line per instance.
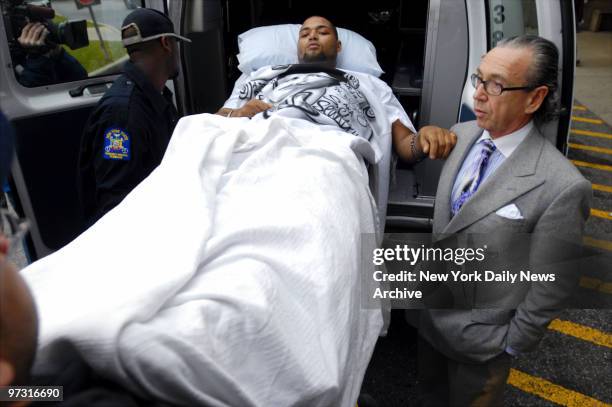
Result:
x=203 y=83
x=412 y=194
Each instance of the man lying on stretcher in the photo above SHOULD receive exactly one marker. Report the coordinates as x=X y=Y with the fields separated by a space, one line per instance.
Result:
x=316 y=91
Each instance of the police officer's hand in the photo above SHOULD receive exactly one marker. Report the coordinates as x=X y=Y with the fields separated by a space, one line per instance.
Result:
x=436 y=142
x=33 y=36
x=251 y=108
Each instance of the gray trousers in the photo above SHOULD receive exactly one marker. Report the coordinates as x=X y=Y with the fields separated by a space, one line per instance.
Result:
x=446 y=382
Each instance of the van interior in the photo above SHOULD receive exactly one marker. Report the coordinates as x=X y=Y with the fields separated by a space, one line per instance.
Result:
x=395 y=27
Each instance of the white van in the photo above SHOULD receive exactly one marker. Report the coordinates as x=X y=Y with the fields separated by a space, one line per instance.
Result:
x=427 y=48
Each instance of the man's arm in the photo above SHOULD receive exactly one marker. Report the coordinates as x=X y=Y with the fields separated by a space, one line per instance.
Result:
x=116 y=174
x=250 y=109
x=69 y=69
x=555 y=248
x=431 y=141
x=38 y=65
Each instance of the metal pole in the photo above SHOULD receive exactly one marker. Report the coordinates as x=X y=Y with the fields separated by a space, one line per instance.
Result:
x=102 y=44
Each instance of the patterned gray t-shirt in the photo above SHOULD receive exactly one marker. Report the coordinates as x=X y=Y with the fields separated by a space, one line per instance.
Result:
x=320 y=95
x=358 y=103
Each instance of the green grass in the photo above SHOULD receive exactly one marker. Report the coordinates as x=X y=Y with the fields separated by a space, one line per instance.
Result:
x=92 y=57
x=59 y=19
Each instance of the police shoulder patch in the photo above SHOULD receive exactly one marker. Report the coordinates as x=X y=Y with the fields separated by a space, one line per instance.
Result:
x=116 y=144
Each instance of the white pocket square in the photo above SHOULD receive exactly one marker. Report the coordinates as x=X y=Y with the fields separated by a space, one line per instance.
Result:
x=510 y=212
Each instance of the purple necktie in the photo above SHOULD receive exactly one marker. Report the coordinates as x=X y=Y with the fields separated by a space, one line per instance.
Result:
x=473 y=178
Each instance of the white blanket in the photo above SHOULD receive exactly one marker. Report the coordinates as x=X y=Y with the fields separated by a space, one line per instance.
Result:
x=230 y=276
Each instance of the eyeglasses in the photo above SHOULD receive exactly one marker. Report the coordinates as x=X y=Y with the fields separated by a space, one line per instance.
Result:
x=12 y=227
x=494 y=88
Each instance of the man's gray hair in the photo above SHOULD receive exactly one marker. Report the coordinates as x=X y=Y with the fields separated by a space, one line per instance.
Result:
x=543 y=71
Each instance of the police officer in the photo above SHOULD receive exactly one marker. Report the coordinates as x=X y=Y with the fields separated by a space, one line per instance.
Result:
x=128 y=131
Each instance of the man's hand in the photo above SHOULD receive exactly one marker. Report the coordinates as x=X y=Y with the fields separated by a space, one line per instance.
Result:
x=33 y=36
x=250 y=109
x=436 y=142
x=431 y=141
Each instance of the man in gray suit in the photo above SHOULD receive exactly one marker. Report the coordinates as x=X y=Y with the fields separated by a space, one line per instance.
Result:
x=503 y=178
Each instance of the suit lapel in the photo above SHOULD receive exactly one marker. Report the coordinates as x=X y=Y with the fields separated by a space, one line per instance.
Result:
x=516 y=176
x=448 y=175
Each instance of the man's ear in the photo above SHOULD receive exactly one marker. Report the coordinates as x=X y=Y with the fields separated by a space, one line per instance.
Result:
x=7 y=373
x=339 y=46
x=535 y=99
x=166 y=44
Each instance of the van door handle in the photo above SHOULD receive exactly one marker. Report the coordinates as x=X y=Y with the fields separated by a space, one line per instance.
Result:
x=91 y=89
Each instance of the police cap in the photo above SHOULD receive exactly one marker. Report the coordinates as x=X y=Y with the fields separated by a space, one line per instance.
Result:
x=145 y=24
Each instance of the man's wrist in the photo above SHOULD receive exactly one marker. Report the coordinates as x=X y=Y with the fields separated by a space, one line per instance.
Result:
x=228 y=112
x=417 y=154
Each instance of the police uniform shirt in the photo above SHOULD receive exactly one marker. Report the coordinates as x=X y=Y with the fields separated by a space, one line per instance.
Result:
x=124 y=140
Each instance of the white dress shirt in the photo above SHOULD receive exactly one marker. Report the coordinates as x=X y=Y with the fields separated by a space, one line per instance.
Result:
x=504 y=147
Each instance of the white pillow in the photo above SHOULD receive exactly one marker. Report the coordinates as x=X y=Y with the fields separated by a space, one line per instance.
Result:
x=277 y=45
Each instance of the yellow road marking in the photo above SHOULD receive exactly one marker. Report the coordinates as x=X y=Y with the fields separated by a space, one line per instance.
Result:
x=595 y=284
x=579 y=107
x=582 y=332
x=604 y=188
x=590 y=148
x=585 y=120
x=600 y=244
x=550 y=391
x=601 y=214
x=602 y=167
x=591 y=133
x=590 y=283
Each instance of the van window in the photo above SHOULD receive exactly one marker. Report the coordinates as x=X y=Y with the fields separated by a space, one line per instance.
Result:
x=509 y=18
x=64 y=41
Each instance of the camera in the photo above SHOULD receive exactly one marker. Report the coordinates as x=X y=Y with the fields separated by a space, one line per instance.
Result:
x=17 y=13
